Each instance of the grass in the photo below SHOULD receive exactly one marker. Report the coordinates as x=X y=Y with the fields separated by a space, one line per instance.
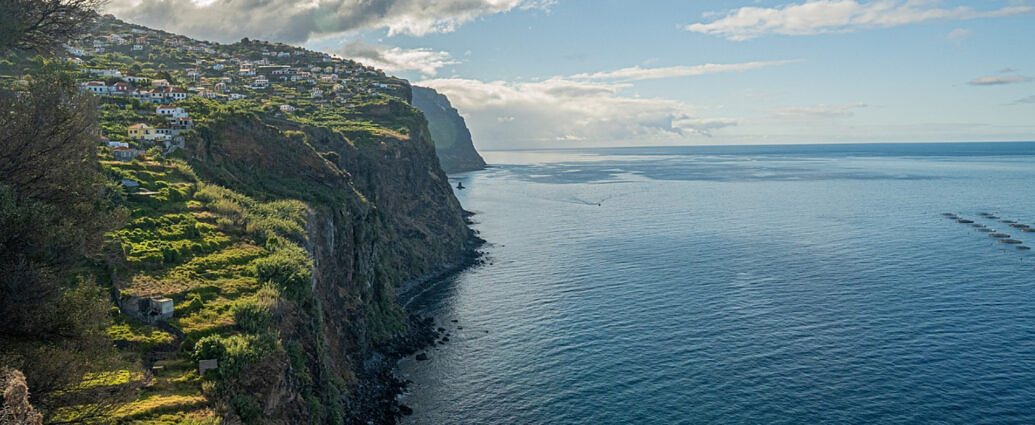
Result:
x=203 y=246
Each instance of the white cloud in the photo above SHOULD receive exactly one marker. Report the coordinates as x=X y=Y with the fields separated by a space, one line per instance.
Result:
x=824 y=16
x=998 y=81
x=638 y=73
x=817 y=111
x=959 y=34
x=560 y=111
x=394 y=59
x=297 y=21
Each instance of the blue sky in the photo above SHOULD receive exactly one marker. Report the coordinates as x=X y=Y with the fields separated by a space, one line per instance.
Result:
x=560 y=73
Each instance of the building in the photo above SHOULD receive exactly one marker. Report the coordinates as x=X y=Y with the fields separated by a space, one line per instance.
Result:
x=96 y=87
x=141 y=131
x=171 y=112
x=110 y=72
x=124 y=154
x=147 y=309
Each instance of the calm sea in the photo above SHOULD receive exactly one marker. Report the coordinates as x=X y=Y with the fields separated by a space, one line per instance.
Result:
x=760 y=285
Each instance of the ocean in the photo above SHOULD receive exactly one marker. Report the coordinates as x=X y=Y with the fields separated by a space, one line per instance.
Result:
x=739 y=285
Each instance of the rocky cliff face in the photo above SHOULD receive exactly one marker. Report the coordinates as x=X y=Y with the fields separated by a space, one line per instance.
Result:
x=381 y=214
x=452 y=139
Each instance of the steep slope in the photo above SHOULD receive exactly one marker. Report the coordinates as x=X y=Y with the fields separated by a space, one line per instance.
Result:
x=453 y=142
x=280 y=220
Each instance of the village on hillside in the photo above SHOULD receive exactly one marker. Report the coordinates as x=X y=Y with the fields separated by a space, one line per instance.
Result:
x=142 y=73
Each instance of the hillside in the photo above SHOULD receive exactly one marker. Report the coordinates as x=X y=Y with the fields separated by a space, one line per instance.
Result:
x=278 y=198
x=453 y=142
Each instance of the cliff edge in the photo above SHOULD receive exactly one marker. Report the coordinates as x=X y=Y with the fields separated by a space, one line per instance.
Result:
x=453 y=143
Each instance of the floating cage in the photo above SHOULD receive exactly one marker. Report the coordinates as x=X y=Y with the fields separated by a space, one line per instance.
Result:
x=1023 y=248
x=964 y=221
x=1010 y=241
x=999 y=235
x=986 y=230
x=1007 y=221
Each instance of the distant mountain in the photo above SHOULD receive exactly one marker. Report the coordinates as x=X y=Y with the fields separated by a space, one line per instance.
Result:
x=452 y=139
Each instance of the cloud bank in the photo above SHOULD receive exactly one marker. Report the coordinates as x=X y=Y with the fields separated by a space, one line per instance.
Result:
x=825 y=16
x=394 y=59
x=817 y=111
x=998 y=81
x=638 y=73
x=295 y=21
x=560 y=111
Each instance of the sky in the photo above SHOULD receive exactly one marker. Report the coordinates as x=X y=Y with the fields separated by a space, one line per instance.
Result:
x=580 y=73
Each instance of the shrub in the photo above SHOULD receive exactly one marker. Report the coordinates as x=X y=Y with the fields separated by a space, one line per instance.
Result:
x=246 y=408
x=210 y=347
x=288 y=267
x=252 y=316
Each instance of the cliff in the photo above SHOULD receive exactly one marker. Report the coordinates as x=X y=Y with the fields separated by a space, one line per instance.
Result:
x=452 y=139
x=380 y=214
x=279 y=221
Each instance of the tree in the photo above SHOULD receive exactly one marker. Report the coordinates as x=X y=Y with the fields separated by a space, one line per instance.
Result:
x=42 y=26
x=54 y=212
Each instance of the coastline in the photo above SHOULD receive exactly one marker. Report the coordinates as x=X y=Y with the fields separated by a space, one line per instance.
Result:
x=376 y=398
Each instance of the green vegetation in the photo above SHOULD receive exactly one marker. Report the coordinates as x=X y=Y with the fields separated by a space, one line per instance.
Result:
x=219 y=228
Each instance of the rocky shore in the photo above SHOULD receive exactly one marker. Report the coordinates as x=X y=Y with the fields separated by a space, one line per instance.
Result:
x=375 y=400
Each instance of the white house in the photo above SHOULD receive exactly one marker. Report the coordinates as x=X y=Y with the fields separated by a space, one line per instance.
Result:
x=218 y=67
x=260 y=83
x=159 y=83
x=287 y=108
x=236 y=96
x=75 y=51
x=171 y=112
x=110 y=72
x=138 y=47
x=96 y=87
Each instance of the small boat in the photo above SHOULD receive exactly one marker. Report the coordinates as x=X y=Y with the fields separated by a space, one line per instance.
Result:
x=999 y=235
x=1007 y=221
x=1019 y=226
x=964 y=221
x=1023 y=248
x=1010 y=241
x=986 y=230
x=1028 y=229
x=984 y=214
x=460 y=185
x=978 y=225
x=950 y=215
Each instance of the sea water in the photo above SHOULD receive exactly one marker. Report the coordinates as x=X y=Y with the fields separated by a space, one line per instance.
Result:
x=729 y=285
